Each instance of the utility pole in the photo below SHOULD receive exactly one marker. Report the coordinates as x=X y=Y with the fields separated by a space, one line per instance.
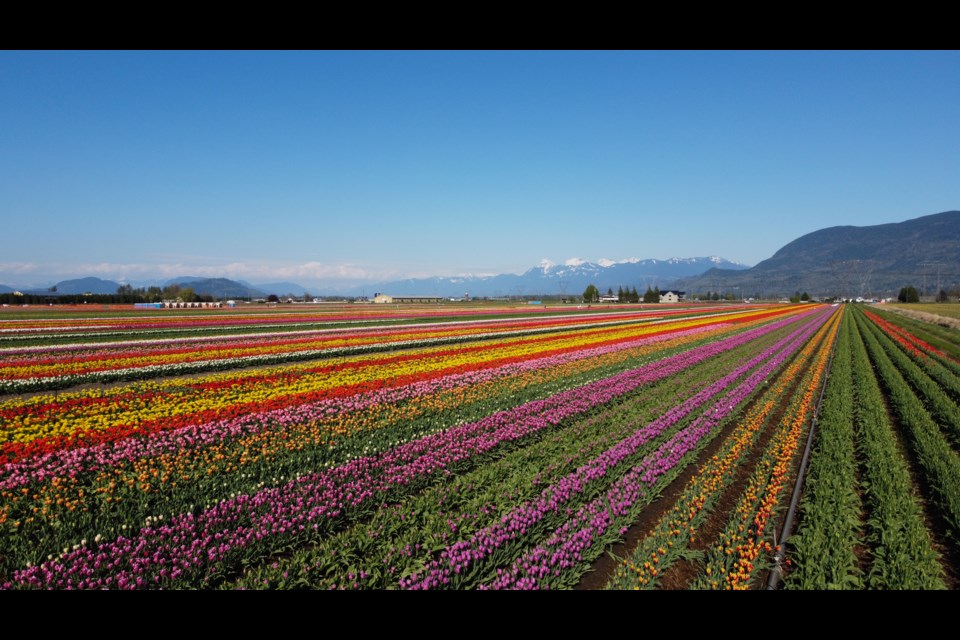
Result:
x=924 y=291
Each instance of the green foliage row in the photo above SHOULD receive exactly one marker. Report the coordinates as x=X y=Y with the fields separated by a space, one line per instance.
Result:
x=938 y=402
x=901 y=550
x=823 y=547
x=939 y=462
x=939 y=337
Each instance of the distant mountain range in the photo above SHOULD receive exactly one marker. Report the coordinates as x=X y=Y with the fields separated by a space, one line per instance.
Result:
x=284 y=289
x=219 y=288
x=871 y=261
x=83 y=285
x=548 y=278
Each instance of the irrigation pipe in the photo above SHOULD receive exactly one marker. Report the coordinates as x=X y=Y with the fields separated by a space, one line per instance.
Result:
x=776 y=574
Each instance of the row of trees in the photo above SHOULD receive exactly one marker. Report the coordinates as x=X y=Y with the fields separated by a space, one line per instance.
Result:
x=624 y=295
x=910 y=294
x=716 y=296
x=128 y=293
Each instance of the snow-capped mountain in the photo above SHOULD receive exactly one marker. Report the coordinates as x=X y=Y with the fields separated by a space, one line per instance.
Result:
x=568 y=277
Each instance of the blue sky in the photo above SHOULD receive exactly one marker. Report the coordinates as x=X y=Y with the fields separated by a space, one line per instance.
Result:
x=322 y=167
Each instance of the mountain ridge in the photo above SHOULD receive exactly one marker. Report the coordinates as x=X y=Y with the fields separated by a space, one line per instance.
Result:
x=843 y=260
x=850 y=261
x=549 y=278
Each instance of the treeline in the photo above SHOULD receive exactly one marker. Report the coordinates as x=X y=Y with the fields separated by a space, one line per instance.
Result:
x=910 y=294
x=592 y=294
x=126 y=294
x=624 y=295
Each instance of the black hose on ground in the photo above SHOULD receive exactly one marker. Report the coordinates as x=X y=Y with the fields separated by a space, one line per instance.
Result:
x=776 y=574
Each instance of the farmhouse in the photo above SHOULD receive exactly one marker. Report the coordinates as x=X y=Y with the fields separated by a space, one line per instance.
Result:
x=672 y=296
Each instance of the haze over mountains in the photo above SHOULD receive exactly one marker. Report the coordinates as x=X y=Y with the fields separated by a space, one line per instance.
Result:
x=570 y=277
x=844 y=260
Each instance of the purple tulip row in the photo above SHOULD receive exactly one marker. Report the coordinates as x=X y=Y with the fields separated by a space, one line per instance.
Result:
x=194 y=546
x=457 y=558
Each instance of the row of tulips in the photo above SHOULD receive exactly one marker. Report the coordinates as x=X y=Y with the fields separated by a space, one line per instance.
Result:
x=888 y=527
x=935 y=363
x=732 y=562
x=937 y=459
x=912 y=343
x=124 y=322
x=51 y=332
x=343 y=416
x=369 y=328
x=170 y=470
x=44 y=361
x=940 y=336
x=823 y=549
x=566 y=554
x=678 y=529
x=398 y=540
x=57 y=373
x=937 y=395
x=207 y=541
x=902 y=551
x=43 y=423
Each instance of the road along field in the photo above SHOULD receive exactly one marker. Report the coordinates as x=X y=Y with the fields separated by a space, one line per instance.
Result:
x=473 y=449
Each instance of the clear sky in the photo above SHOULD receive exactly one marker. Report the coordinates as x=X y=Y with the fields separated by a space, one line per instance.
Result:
x=318 y=167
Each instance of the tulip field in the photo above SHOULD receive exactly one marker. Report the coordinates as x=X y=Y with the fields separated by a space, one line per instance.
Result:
x=478 y=447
